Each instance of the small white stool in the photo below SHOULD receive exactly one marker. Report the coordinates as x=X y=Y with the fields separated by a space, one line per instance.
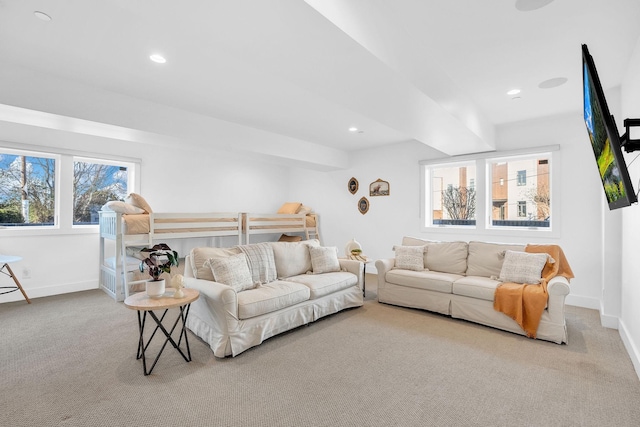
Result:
x=5 y=260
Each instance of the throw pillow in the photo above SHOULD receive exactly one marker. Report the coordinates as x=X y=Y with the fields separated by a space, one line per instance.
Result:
x=523 y=267
x=232 y=271
x=261 y=261
x=200 y=260
x=410 y=257
x=290 y=208
x=324 y=259
x=122 y=207
x=139 y=201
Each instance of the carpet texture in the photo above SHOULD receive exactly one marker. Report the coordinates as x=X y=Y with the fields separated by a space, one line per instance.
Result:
x=69 y=360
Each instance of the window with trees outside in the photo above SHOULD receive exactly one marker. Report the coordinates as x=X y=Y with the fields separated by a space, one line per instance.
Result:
x=498 y=191
x=31 y=194
x=453 y=194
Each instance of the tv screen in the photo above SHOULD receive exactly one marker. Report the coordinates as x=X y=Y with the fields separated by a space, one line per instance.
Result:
x=605 y=139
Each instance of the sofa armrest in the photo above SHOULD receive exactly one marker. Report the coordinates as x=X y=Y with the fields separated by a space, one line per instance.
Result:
x=384 y=265
x=355 y=267
x=558 y=289
x=220 y=298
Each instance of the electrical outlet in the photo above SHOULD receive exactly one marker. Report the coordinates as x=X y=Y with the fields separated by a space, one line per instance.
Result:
x=26 y=273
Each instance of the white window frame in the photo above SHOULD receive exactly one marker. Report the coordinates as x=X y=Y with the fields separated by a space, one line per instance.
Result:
x=64 y=160
x=427 y=203
x=483 y=193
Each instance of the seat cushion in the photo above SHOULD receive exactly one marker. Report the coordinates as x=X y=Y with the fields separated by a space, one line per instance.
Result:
x=326 y=283
x=476 y=287
x=270 y=297
x=430 y=280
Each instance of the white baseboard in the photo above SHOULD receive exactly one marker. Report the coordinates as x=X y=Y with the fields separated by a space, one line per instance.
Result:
x=631 y=347
x=585 y=302
x=47 y=291
x=607 y=320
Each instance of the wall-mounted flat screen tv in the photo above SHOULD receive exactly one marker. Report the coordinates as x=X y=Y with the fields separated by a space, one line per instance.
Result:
x=605 y=139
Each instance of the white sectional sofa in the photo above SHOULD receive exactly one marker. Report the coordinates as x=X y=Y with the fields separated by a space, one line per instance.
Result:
x=461 y=281
x=297 y=283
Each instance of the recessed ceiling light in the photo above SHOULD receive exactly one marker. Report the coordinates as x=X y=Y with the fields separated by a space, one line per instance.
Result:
x=529 y=5
x=158 y=58
x=42 y=16
x=513 y=92
x=554 y=82
x=353 y=129
x=515 y=98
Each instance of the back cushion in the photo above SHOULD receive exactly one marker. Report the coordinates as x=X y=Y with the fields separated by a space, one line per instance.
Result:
x=292 y=258
x=447 y=257
x=416 y=241
x=485 y=259
x=200 y=255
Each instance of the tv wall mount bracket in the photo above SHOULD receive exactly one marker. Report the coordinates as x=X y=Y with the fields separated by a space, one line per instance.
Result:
x=626 y=142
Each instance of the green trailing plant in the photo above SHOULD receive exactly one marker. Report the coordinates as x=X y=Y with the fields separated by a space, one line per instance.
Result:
x=159 y=259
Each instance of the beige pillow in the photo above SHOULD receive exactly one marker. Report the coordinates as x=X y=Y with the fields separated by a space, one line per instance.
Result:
x=122 y=207
x=304 y=210
x=199 y=256
x=324 y=259
x=485 y=259
x=523 y=267
x=290 y=208
x=410 y=257
x=139 y=201
x=447 y=257
x=293 y=258
x=232 y=271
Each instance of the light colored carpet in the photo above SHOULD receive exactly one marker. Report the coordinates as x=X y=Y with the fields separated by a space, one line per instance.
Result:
x=69 y=360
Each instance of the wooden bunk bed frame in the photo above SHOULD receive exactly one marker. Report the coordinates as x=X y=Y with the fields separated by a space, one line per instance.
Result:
x=257 y=223
x=162 y=226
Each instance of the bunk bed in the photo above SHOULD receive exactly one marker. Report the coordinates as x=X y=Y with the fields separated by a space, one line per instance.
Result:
x=127 y=231
x=125 y=226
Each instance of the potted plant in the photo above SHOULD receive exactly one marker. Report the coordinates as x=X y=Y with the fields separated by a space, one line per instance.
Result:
x=159 y=259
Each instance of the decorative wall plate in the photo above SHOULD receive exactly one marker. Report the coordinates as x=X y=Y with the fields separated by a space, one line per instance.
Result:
x=363 y=205
x=352 y=185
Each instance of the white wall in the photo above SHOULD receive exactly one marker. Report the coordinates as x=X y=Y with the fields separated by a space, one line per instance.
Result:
x=390 y=218
x=630 y=292
x=177 y=180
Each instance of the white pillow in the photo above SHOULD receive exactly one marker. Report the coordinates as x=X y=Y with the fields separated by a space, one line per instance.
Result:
x=122 y=207
x=324 y=259
x=232 y=271
x=410 y=257
x=523 y=267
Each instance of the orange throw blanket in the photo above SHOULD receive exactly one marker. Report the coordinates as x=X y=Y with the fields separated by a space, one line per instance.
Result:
x=525 y=303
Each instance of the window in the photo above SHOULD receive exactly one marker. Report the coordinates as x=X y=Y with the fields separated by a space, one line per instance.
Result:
x=490 y=191
x=522 y=209
x=27 y=189
x=453 y=196
x=528 y=202
x=94 y=184
x=32 y=194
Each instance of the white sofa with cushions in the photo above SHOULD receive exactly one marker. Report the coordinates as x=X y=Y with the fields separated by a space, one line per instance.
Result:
x=249 y=293
x=459 y=279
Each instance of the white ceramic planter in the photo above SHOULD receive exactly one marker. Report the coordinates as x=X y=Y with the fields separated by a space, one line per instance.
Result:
x=155 y=288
